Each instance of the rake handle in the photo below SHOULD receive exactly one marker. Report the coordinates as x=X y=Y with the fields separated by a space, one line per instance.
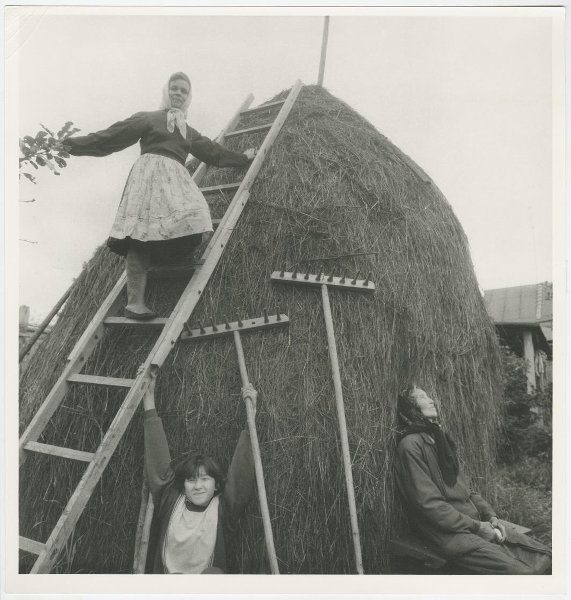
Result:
x=257 y=461
x=342 y=427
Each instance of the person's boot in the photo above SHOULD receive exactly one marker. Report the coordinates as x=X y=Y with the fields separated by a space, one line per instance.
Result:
x=136 y=267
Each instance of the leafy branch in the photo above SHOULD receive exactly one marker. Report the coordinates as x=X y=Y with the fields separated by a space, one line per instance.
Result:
x=45 y=149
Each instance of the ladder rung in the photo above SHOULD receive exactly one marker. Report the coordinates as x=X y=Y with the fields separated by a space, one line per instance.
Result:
x=220 y=188
x=98 y=380
x=159 y=321
x=249 y=130
x=262 y=106
x=31 y=546
x=59 y=451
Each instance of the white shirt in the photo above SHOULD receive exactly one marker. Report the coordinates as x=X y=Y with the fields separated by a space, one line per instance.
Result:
x=190 y=538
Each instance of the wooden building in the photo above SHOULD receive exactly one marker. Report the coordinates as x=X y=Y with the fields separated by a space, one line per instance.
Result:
x=523 y=316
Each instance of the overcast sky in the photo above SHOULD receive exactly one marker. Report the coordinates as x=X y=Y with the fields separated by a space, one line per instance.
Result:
x=468 y=98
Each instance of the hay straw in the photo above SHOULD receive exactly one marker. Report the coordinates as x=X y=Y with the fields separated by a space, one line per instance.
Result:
x=331 y=186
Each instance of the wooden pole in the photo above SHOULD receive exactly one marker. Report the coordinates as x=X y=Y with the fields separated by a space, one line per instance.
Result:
x=342 y=428
x=42 y=326
x=257 y=461
x=143 y=531
x=529 y=356
x=323 y=51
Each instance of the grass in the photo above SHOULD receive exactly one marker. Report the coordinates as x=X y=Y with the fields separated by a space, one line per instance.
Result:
x=521 y=493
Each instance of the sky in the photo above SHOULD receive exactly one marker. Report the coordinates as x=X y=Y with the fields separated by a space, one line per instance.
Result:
x=469 y=98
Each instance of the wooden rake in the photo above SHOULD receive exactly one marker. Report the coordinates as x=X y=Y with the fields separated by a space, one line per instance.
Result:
x=235 y=329
x=345 y=283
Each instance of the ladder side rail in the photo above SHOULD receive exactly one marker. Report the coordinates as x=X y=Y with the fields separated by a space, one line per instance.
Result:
x=217 y=243
x=103 y=311
x=256 y=165
x=203 y=167
x=82 y=493
x=67 y=521
x=75 y=362
x=165 y=345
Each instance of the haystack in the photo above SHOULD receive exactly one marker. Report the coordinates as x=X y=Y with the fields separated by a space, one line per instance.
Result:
x=335 y=194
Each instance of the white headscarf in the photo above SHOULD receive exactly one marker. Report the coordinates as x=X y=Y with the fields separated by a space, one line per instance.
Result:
x=175 y=116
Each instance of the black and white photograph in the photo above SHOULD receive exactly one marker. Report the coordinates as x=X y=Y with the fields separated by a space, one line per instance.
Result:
x=289 y=292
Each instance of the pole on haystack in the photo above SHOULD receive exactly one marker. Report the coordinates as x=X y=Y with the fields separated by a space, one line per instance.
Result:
x=323 y=51
x=43 y=325
x=234 y=328
x=340 y=405
x=325 y=281
x=257 y=461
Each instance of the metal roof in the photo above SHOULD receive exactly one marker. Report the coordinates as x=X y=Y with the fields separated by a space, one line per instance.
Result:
x=521 y=305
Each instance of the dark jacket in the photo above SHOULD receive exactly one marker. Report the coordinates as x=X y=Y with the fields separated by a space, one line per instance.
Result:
x=448 y=516
x=150 y=130
x=233 y=500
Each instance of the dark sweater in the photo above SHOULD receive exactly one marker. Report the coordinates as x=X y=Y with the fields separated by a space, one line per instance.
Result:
x=233 y=500
x=448 y=516
x=150 y=130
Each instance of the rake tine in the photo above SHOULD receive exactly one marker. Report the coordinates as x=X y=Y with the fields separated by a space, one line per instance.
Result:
x=330 y=278
x=356 y=277
x=266 y=318
x=214 y=328
x=278 y=315
x=307 y=267
x=202 y=330
x=187 y=328
x=240 y=324
x=226 y=324
x=283 y=271
x=294 y=274
x=366 y=282
x=318 y=277
x=342 y=280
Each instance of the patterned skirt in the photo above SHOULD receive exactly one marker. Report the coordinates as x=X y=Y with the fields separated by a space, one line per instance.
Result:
x=161 y=207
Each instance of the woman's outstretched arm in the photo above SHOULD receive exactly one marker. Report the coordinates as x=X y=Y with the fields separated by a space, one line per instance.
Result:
x=214 y=154
x=119 y=136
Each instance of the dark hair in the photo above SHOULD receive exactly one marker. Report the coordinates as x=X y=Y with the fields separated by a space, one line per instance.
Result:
x=180 y=75
x=188 y=467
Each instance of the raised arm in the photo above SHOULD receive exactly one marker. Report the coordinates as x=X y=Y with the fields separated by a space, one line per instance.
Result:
x=157 y=456
x=241 y=478
x=214 y=154
x=119 y=136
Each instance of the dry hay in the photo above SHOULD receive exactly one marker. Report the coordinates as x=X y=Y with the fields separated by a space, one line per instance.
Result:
x=332 y=186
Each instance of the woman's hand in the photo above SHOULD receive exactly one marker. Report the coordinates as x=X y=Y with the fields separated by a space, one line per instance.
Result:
x=501 y=533
x=250 y=153
x=487 y=532
x=249 y=393
x=149 y=397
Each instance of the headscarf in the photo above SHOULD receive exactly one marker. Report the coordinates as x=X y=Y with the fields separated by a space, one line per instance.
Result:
x=176 y=116
x=413 y=421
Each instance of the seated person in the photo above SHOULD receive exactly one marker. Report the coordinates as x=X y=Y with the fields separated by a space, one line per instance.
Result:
x=458 y=523
x=195 y=504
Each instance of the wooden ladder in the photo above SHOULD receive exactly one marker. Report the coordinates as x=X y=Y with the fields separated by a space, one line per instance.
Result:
x=48 y=552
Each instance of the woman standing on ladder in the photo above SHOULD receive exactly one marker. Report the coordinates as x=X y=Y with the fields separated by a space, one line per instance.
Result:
x=162 y=214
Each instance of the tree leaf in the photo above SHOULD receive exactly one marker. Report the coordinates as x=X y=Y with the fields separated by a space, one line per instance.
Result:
x=30 y=177
x=46 y=129
x=40 y=161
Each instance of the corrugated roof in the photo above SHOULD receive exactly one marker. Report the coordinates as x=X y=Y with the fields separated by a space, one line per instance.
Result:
x=521 y=305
